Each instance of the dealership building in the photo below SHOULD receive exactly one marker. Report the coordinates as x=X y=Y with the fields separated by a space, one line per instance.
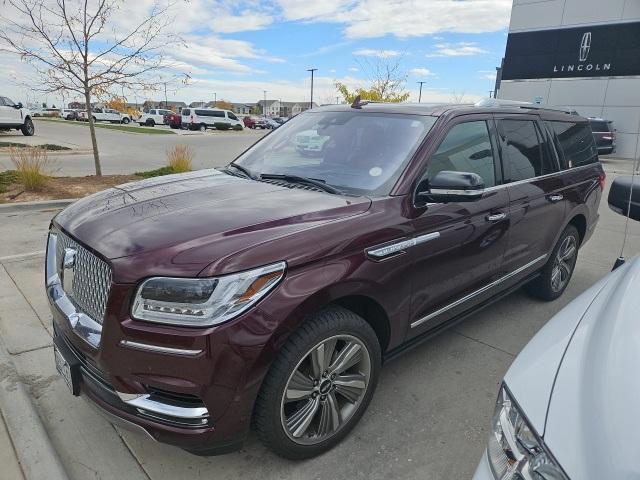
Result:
x=583 y=54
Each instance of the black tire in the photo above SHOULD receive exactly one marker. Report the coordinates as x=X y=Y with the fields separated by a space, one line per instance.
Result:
x=545 y=287
x=202 y=127
x=27 y=128
x=326 y=325
x=150 y=123
x=125 y=120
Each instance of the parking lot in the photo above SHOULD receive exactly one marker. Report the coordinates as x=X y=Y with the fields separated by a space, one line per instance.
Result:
x=124 y=153
x=429 y=417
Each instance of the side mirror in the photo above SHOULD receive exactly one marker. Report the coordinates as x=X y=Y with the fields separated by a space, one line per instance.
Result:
x=449 y=186
x=620 y=194
x=18 y=105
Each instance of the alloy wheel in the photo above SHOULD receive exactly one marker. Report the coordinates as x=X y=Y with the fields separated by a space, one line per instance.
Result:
x=564 y=263
x=325 y=389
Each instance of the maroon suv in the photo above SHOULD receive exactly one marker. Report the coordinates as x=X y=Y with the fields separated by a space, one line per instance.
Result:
x=269 y=292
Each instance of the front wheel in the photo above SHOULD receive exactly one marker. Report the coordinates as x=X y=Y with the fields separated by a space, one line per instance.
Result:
x=150 y=123
x=28 y=129
x=555 y=275
x=319 y=386
x=202 y=127
x=125 y=120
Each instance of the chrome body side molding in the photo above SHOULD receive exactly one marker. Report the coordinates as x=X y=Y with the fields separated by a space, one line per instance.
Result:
x=158 y=349
x=480 y=291
x=399 y=247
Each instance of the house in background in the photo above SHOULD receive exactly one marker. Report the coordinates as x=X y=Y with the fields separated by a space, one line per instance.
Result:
x=277 y=108
x=170 y=104
x=244 y=108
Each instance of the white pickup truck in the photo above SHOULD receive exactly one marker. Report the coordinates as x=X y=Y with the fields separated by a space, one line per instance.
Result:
x=106 y=115
x=153 y=117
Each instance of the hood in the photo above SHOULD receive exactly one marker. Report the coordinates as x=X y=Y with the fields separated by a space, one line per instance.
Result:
x=197 y=218
x=593 y=422
x=531 y=375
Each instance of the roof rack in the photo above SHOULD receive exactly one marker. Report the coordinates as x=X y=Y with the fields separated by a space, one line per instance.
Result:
x=500 y=103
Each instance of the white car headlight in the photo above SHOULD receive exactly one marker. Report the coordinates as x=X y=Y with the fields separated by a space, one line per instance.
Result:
x=515 y=450
x=202 y=302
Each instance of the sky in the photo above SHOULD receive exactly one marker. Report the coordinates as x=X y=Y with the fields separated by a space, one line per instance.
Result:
x=237 y=49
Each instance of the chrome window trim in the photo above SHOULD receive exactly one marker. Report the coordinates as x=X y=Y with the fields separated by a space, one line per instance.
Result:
x=487 y=287
x=145 y=347
x=399 y=247
x=541 y=177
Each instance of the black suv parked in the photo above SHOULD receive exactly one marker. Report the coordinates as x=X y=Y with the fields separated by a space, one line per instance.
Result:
x=604 y=135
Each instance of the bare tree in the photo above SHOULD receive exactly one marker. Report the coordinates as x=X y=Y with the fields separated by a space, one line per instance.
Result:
x=74 y=46
x=387 y=80
x=457 y=97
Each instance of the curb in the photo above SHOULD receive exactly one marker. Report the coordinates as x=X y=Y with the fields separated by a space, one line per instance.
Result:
x=38 y=459
x=39 y=205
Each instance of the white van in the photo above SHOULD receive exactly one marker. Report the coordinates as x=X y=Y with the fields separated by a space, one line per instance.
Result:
x=203 y=118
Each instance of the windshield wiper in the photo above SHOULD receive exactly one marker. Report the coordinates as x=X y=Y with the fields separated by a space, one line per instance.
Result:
x=321 y=184
x=242 y=169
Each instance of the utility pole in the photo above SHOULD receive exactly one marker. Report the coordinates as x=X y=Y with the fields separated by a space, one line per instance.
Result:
x=311 y=101
x=420 y=96
x=166 y=103
x=337 y=100
x=215 y=100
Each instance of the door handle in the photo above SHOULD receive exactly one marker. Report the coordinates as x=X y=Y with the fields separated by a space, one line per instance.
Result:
x=496 y=217
x=556 y=198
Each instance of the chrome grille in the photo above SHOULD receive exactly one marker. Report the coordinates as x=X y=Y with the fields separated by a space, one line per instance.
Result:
x=91 y=280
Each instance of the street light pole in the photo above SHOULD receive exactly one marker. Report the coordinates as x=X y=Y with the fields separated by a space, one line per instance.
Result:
x=264 y=107
x=311 y=101
x=165 y=95
x=420 y=96
x=215 y=100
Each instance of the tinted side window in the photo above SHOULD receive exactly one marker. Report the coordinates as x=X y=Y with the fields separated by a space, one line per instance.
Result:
x=2 y=102
x=576 y=142
x=598 y=126
x=232 y=116
x=186 y=111
x=210 y=113
x=522 y=150
x=466 y=148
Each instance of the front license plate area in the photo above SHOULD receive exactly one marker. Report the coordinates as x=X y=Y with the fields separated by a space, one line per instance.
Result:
x=68 y=370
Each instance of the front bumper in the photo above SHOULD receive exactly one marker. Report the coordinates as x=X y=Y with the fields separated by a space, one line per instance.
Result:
x=193 y=388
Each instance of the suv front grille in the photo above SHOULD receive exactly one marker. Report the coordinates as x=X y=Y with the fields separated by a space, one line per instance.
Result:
x=91 y=280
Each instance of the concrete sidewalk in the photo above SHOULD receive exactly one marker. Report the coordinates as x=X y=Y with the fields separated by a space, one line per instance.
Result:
x=429 y=418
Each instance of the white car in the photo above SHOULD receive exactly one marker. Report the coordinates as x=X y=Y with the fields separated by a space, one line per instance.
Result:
x=310 y=143
x=568 y=406
x=203 y=118
x=106 y=115
x=153 y=117
x=14 y=115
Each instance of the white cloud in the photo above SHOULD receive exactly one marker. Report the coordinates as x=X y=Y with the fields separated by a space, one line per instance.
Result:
x=376 y=18
x=353 y=69
x=246 y=21
x=421 y=72
x=370 y=52
x=460 y=49
x=488 y=75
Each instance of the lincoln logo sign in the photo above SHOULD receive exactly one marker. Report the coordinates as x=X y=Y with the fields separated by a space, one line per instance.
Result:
x=585 y=48
x=600 y=51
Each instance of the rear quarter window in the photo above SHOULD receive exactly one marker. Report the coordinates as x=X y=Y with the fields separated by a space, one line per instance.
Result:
x=598 y=126
x=575 y=142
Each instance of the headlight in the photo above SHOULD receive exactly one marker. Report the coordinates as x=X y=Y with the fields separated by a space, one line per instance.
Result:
x=201 y=302
x=515 y=451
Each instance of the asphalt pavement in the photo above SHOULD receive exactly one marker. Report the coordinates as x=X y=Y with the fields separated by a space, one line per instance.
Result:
x=124 y=152
x=428 y=420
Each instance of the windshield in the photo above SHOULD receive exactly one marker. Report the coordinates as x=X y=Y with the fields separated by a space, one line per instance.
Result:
x=358 y=153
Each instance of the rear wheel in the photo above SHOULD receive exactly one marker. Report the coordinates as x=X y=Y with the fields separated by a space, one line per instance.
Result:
x=319 y=386
x=125 y=120
x=28 y=129
x=556 y=274
x=150 y=123
x=202 y=127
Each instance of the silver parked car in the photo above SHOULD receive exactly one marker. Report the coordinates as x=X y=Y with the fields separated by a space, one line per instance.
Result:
x=568 y=406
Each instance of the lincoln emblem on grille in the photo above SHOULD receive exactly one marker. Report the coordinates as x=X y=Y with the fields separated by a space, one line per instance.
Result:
x=68 y=269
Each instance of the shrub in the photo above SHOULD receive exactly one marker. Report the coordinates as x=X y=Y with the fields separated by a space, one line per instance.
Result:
x=180 y=158
x=33 y=166
x=221 y=126
x=237 y=127
x=6 y=179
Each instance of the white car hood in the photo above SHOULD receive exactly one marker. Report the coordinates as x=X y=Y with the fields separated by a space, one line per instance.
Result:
x=593 y=420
